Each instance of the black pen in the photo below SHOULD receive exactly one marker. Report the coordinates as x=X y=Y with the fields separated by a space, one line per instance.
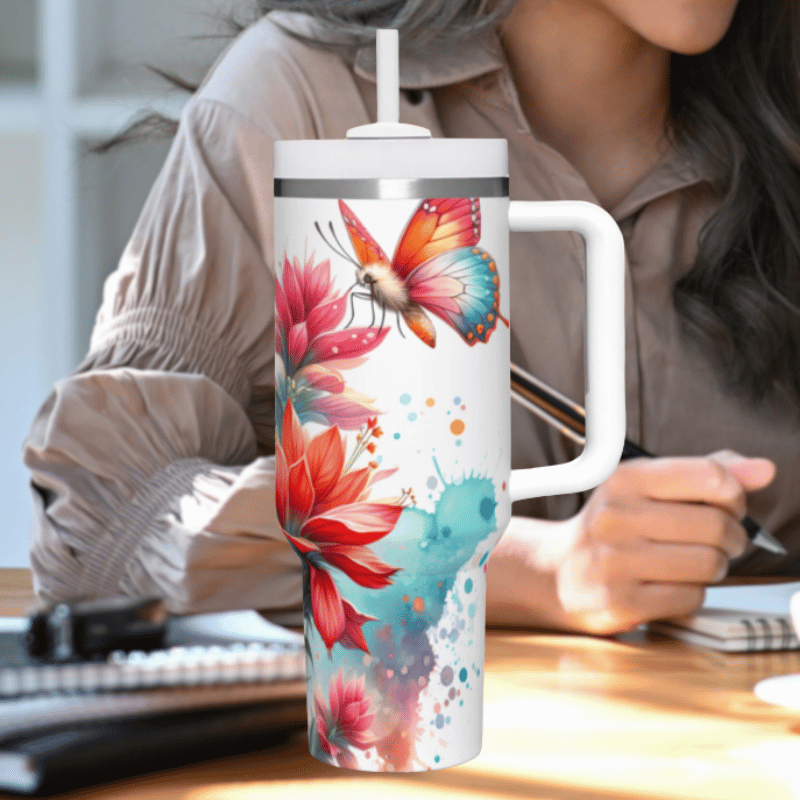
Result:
x=570 y=418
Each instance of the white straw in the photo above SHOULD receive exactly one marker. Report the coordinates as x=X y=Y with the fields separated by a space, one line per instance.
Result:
x=388 y=76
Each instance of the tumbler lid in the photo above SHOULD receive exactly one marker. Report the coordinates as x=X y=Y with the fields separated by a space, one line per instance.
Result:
x=397 y=158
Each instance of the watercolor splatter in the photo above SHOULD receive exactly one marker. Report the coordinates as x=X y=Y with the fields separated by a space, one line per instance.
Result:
x=393 y=592
x=410 y=668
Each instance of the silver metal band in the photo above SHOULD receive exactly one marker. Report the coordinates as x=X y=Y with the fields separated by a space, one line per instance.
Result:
x=390 y=188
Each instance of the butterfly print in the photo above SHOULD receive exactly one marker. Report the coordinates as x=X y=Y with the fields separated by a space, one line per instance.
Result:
x=437 y=268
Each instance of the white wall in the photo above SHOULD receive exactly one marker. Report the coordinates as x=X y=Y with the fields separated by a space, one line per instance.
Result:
x=23 y=383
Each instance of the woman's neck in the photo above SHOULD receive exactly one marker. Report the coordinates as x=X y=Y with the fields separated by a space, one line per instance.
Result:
x=592 y=89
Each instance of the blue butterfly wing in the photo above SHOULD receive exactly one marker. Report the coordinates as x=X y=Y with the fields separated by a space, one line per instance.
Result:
x=462 y=287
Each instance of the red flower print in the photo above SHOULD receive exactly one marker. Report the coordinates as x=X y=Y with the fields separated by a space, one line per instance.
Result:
x=323 y=510
x=310 y=354
x=345 y=722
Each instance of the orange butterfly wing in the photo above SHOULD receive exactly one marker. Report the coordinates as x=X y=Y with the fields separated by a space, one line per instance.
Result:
x=368 y=251
x=438 y=225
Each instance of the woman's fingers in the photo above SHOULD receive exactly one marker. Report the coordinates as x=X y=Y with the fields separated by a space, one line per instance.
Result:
x=627 y=524
x=659 y=562
x=606 y=574
x=752 y=473
x=711 y=480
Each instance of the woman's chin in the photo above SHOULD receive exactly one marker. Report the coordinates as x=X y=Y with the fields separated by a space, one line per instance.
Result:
x=698 y=28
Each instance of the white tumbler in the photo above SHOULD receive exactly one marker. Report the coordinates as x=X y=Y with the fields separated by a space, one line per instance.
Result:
x=393 y=441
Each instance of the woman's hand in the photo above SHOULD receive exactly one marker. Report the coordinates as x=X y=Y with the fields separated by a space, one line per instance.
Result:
x=650 y=538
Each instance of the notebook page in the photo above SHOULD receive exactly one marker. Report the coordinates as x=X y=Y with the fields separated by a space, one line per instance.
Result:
x=770 y=598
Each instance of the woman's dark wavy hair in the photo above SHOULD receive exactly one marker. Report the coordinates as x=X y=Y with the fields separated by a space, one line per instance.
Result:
x=735 y=112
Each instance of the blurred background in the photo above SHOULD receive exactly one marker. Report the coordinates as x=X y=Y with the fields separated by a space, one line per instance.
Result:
x=73 y=73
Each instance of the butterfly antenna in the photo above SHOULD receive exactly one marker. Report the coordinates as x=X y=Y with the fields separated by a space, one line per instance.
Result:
x=340 y=252
x=399 y=328
x=336 y=239
x=372 y=303
x=322 y=236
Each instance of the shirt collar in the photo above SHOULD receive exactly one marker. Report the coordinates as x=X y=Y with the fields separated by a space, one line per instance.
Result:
x=438 y=65
x=673 y=172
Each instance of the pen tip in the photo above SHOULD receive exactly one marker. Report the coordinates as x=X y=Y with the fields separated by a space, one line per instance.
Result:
x=767 y=541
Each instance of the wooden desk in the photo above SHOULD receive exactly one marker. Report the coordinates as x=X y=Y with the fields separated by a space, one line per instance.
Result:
x=566 y=718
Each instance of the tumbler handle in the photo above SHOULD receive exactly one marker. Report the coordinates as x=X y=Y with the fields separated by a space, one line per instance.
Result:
x=604 y=346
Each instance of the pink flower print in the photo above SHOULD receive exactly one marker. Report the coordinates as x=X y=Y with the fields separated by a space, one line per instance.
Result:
x=322 y=509
x=310 y=354
x=345 y=722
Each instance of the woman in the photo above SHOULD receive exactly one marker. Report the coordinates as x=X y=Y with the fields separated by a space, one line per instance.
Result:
x=151 y=464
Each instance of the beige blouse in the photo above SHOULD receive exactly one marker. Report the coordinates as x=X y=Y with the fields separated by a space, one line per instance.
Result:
x=150 y=469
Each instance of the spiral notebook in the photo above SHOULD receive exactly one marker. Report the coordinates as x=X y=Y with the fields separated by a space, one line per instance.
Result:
x=738 y=618
x=223 y=683
x=209 y=659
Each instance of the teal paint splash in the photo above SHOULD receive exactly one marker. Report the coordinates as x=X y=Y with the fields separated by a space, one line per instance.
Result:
x=440 y=543
x=430 y=548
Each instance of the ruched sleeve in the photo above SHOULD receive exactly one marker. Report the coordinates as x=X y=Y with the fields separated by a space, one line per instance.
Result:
x=152 y=466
